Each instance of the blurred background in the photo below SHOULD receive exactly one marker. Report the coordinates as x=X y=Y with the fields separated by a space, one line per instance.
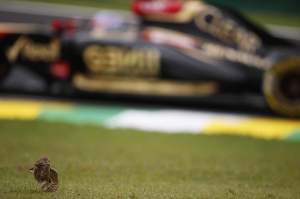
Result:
x=283 y=12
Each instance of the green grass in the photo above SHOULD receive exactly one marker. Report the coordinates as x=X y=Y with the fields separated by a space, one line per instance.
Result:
x=94 y=162
x=276 y=19
x=262 y=18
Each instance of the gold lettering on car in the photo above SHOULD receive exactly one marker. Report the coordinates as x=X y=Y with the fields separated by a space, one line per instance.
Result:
x=212 y=20
x=111 y=60
x=230 y=54
x=33 y=51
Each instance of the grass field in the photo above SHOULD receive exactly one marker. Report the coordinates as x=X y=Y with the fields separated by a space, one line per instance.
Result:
x=94 y=162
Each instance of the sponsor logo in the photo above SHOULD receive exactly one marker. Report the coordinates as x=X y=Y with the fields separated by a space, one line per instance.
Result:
x=213 y=21
x=33 y=51
x=230 y=54
x=111 y=60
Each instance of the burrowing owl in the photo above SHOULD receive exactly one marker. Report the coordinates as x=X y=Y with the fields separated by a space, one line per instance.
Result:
x=46 y=176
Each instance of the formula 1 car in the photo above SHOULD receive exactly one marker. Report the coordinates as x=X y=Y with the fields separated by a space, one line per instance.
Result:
x=169 y=50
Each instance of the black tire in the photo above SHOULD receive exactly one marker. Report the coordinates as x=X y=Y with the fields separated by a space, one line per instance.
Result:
x=281 y=86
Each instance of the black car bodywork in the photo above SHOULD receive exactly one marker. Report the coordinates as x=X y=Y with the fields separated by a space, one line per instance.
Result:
x=214 y=55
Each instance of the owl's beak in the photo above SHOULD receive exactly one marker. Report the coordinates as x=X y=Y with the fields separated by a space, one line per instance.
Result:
x=31 y=170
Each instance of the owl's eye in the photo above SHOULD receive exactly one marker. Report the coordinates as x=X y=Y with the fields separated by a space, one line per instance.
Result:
x=209 y=18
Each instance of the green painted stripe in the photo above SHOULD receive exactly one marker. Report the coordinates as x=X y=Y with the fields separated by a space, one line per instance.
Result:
x=80 y=114
x=294 y=136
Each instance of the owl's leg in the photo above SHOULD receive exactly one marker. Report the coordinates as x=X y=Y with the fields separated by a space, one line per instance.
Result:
x=44 y=185
x=49 y=186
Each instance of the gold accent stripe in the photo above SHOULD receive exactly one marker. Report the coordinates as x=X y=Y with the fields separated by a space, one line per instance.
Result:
x=143 y=86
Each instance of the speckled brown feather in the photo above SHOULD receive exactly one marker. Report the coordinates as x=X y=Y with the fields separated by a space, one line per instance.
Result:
x=46 y=176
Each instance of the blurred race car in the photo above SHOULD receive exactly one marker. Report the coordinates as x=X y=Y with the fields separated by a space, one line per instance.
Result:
x=170 y=49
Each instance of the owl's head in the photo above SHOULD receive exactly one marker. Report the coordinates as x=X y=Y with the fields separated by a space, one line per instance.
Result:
x=41 y=163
